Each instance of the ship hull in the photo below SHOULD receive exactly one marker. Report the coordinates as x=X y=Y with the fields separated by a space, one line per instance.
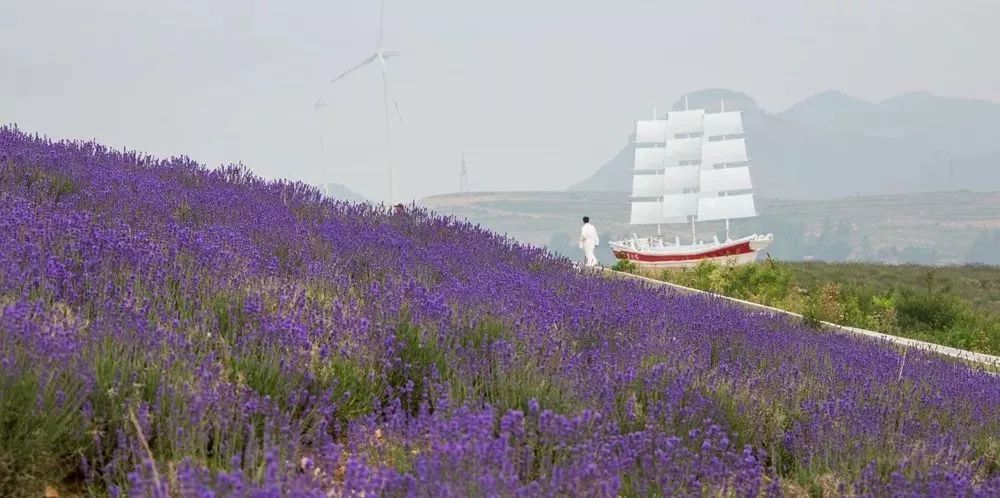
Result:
x=735 y=252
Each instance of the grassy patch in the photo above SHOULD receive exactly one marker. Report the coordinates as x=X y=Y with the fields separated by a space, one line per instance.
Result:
x=420 y=361
x=507 y=385
x=41 y=432
x=918 y=302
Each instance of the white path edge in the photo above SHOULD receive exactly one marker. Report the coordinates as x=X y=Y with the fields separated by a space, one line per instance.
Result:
x=962 y=354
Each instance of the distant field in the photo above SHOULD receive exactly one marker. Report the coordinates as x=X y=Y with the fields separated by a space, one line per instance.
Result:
x=977 y=284
x=957 y=306
x=937 y=227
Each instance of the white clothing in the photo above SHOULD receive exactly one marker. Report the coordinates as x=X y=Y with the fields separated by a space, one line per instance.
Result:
x=588 y=234
x=588 y=241
x=588 y=251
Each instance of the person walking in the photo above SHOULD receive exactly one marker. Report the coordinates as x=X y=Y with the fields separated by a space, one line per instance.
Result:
x=588 y=241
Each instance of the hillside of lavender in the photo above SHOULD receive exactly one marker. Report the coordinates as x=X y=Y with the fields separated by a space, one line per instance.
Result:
x=171 y=330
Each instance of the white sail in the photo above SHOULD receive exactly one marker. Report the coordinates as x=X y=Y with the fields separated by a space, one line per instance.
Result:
x=650 y=158
x=684 y=122
x=647 y=185
x=696 y=169
x=726 y=207
x=725 y=179
x=651 y=131
x=646 y=213
x=681 y=177
x=723 y=124
x=681 y=150
x=677 y=207
x=723 y=152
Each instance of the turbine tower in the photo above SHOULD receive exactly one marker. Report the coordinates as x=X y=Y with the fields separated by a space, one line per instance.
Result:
x=317 y=109
x=463 y=178
x=381 y=55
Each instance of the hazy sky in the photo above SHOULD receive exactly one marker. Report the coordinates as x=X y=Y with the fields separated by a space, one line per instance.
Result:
x=537 y=93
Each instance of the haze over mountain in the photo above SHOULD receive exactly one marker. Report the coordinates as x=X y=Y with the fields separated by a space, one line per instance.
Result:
x=342 y=192
x=536 y=94
x=832 y=145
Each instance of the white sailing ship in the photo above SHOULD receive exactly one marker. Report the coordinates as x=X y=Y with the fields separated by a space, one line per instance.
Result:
x=693 y=166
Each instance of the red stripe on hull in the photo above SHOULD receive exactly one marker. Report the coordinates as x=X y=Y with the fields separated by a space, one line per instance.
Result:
x=735 y=250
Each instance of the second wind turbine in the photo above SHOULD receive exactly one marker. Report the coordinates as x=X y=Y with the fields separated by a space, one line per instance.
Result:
x=381 y=55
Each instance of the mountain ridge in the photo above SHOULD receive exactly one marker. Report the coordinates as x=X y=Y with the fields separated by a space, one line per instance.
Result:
x=342 y=192
x=833 y=144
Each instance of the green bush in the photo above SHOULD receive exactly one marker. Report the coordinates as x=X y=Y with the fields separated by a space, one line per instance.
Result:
x=701 y=276
x=625 y=266
x=930 y=311
x=923 y=306
x=768 y=283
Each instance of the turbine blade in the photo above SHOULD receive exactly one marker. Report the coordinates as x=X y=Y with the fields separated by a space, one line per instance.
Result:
x=355 y=68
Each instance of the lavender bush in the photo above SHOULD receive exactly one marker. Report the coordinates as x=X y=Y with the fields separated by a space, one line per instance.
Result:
x=171 y=330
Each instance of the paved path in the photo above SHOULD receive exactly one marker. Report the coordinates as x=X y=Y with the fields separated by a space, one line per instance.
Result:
x=910 y=343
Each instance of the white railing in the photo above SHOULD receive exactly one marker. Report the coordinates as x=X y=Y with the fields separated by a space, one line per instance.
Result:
x=903 y=341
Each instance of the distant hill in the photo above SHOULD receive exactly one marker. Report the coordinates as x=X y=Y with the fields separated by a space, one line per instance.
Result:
x=833 y=145
x=928 y=228
x=826 y=110
x=614 y=175
x=340 y=191
x=952 y=126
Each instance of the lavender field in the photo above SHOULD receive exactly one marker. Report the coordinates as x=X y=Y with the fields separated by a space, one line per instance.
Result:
x=168 y=330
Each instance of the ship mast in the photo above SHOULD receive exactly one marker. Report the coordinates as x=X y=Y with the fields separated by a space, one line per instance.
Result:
x=659 y=231
x=722 y=108
x=694 y=232
x=691 y=166
x=725 y=188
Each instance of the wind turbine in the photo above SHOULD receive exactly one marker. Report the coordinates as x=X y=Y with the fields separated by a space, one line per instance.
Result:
x=463 y=177
x=381 y=55
x=317 y=109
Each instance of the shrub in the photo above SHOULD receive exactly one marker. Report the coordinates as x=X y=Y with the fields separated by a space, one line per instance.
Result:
x=625 y=266
x=930 y=311
x=768 y=282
